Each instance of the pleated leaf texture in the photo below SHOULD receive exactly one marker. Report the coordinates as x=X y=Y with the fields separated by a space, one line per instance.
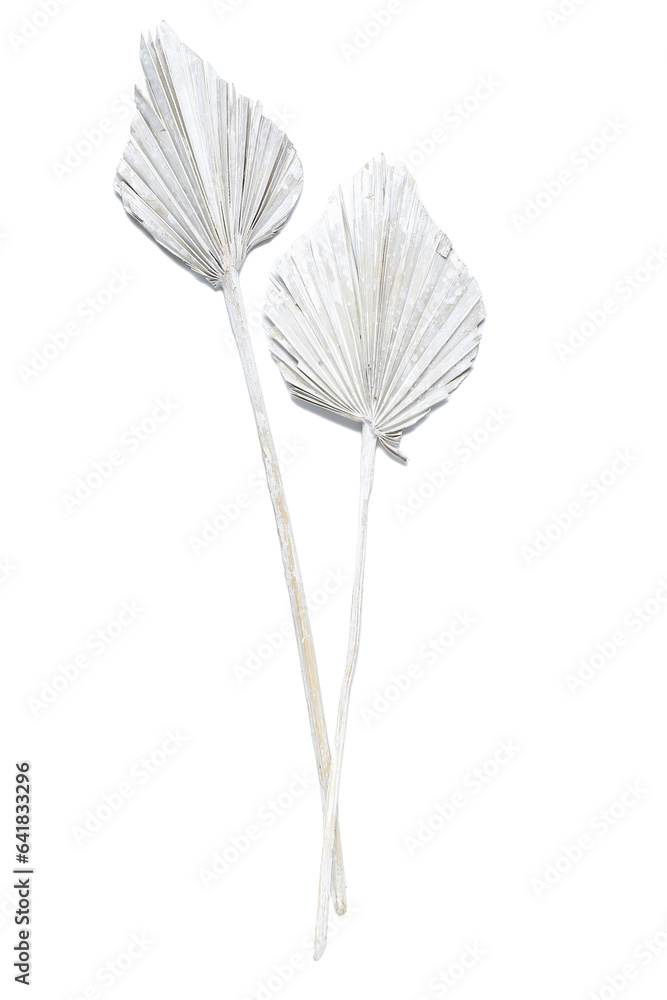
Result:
x=205 y=172
x=372 y=315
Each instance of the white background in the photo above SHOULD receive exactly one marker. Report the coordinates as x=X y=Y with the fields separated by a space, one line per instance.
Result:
x=466 y=548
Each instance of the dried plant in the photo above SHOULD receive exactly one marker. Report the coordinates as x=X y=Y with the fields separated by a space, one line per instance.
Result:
x=372 y=317
x=210 y=177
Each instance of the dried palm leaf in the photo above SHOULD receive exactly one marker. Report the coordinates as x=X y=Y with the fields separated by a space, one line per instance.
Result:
x=210 y=177
x=374 y=318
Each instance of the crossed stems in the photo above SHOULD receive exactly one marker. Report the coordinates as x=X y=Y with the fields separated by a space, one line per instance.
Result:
x=368 y=449
x=239 y=324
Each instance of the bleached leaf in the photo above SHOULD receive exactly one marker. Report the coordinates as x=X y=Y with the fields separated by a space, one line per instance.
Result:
x=205 y=172
x=373 y=315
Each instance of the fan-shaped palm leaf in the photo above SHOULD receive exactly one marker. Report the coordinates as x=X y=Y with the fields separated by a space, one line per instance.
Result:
x=205 y=172
x=375 y=318
x=210 y=177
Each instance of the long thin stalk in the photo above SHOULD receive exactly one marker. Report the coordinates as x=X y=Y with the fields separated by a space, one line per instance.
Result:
x=368 y=448
x=304 y=637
